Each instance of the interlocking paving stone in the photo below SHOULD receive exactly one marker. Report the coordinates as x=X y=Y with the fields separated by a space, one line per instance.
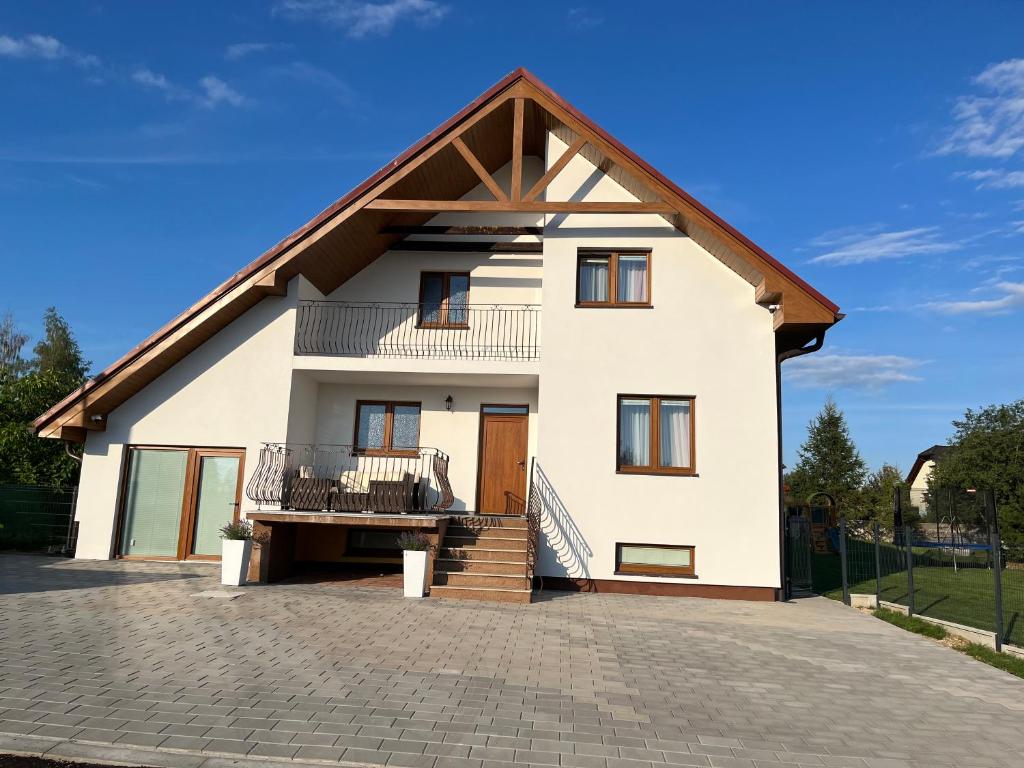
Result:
x=121 y=653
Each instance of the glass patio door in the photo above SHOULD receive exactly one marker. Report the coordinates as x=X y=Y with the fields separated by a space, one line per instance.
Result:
x=216 y=501
x=175 y=500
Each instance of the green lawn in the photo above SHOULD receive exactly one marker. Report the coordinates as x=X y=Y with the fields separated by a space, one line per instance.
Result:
x=965 y=595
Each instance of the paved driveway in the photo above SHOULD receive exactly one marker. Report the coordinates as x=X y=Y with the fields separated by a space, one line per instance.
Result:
x=128 y=654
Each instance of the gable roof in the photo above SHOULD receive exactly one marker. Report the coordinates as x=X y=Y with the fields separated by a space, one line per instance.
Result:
x=348 y=235
x=929 y=454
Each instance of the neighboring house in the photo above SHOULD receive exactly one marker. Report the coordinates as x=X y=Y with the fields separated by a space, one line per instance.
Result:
x=919 y=475
x=517 y=315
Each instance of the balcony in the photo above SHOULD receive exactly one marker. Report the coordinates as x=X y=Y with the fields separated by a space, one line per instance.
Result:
x=338 y=478
x=504 y=332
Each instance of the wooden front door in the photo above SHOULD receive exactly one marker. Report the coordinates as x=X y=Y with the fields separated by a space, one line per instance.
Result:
x=502 y=483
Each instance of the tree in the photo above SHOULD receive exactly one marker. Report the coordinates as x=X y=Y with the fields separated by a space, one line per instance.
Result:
x=987 y=452
x=57 y=350
x=29 y=388
x=876 y=497
x=11 y=342
x=828 y=460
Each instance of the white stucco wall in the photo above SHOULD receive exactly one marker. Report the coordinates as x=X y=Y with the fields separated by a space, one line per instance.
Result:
x=231 y=392
x=705 y=337
x=456 y=432
x=919 y=487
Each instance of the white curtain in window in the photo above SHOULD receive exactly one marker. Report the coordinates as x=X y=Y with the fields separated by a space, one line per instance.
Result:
x=594 y=279
x=632 y=279
x=634 y=433
x=674 y=425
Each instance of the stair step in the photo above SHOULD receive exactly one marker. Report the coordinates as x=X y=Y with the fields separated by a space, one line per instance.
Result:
x=483 y=593
x=472 y=542
x=497 y=580
x=482 y=554
x=489 y=521
x=460 y=531
x=504 y=567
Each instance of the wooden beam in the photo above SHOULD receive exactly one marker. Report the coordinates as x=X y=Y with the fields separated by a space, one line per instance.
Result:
x=555 y=169
x=474 y=163
x=536 y=206
x=462 y=246
x=441 y=229
x=517 y=150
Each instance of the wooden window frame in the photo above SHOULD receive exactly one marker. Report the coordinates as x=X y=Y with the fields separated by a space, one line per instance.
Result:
x=186 y=526
x=655 y=447
x=613 y=278
x=389 y=421
x=446 y=293
x=649 y=569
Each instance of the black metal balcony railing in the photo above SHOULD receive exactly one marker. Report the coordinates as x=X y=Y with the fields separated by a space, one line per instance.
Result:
x=337 y=478
x=458 y=331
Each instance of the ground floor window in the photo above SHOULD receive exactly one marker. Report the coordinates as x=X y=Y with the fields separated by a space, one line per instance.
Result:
x=175 y=500
x=656 y=435
x=654 y=560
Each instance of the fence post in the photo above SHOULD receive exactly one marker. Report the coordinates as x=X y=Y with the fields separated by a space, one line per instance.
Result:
x=997 y=562
x=842 y=560
x=878 y=566
x=907 y=541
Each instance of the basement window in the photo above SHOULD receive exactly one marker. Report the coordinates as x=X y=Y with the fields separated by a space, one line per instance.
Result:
x=654 y=560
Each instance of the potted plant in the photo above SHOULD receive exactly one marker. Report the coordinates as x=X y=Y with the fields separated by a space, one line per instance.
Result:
x=415 y=546
x=237 y=548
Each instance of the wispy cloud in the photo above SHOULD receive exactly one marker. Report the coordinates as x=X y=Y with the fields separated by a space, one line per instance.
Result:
x=842 y=371
x=994 y=178
x=581 y=18
x=1008 y=298
x=237 y=51
x=304 y=72
x=211 y=93
x=364 y=19
x=44 y=47
x=990 y=123
x=848 y=246
x=216 y=92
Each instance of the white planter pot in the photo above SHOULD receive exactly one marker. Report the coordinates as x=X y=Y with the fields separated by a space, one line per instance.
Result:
x=414 y=565
x=234 y=562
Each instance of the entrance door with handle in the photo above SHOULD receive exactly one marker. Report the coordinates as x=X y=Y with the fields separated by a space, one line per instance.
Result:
x=502 y=470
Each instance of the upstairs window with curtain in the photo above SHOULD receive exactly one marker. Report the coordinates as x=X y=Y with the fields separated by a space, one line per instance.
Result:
x=444 y=300
x=613 y=279
x=656 y=435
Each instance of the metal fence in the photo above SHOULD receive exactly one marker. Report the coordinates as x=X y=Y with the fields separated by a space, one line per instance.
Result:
x=35 y=518
x=966 y=576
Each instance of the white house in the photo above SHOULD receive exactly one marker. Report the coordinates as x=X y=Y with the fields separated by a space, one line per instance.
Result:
x=517 y=337
x=919 y=475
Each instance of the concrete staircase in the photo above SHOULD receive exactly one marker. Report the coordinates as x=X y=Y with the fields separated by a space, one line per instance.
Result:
x=484 y=558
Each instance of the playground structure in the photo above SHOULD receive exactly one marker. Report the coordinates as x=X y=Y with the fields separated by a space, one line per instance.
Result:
x=824 y=521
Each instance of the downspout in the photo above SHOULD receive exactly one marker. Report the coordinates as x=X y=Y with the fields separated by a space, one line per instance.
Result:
x=789 y=354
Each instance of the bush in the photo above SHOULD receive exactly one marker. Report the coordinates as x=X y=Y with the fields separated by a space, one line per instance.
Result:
x=413 y=540
x=237 y=530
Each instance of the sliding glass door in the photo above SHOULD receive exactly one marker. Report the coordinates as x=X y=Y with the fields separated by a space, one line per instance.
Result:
x=176 y=499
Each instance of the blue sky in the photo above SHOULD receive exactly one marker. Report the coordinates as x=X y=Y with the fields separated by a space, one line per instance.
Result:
x=149 y=150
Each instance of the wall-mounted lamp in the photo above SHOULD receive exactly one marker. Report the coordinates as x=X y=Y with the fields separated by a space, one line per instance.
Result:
x=448 y=403
x=96 y=417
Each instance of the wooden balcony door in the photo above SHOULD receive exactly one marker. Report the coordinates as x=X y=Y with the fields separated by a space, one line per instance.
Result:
x=501 y=488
